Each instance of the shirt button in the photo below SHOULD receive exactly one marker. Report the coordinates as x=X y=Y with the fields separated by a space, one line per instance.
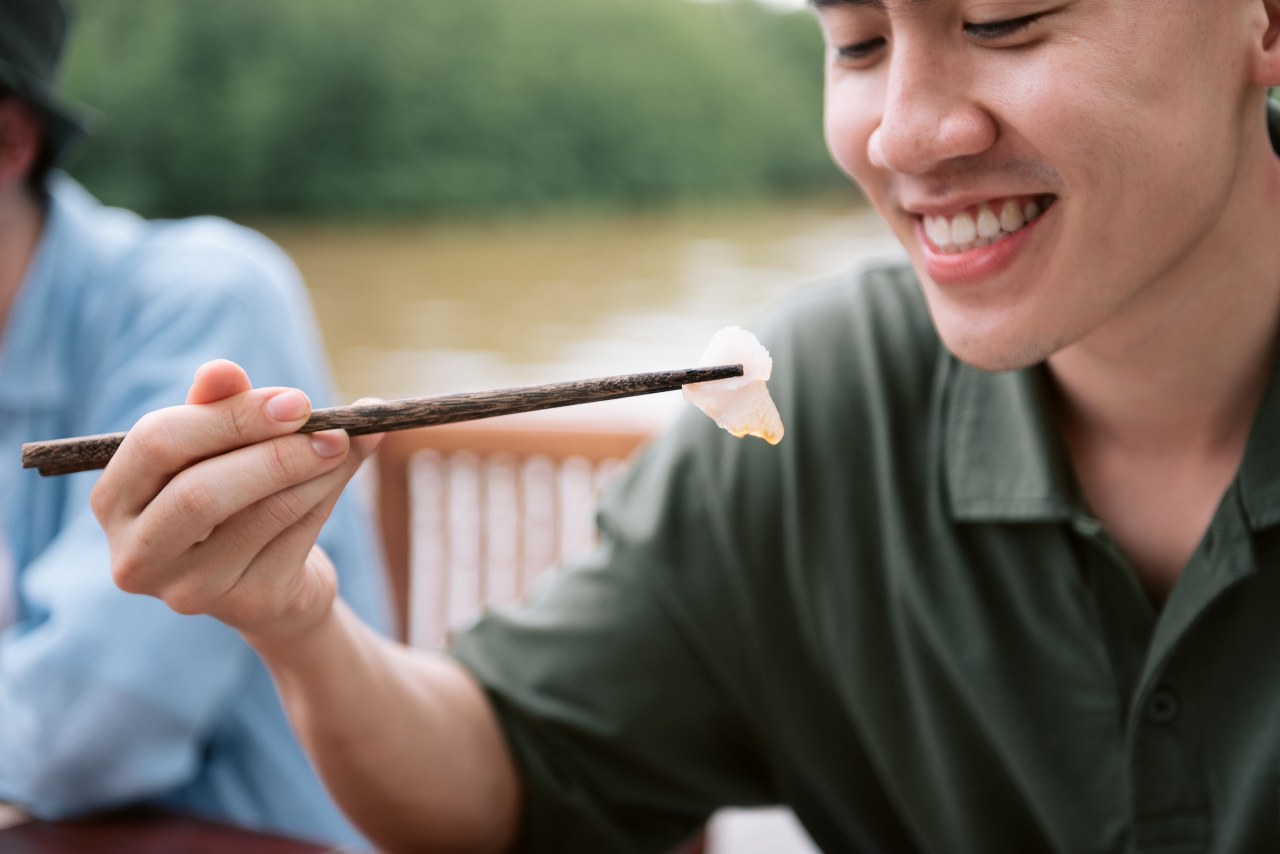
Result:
x=1163 y=706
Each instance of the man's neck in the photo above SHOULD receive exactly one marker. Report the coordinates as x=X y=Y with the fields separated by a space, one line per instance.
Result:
x=1191 y=382
x=21 y=224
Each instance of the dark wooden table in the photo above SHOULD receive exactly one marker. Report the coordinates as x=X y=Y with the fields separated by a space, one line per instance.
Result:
x=148 y=831
x=143 y=831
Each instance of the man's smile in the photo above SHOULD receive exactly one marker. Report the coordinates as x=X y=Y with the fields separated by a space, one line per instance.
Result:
x=973 y=243
x=982 y=224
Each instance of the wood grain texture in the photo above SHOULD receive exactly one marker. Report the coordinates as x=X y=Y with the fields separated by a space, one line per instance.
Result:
x=86 y=453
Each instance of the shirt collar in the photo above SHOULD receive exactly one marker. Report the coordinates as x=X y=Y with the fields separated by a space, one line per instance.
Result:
x=1004 y=460
x=1001 y=454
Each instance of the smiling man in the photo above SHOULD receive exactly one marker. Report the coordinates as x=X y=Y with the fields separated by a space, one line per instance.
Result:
x=1009 y=584
x=1073 y=187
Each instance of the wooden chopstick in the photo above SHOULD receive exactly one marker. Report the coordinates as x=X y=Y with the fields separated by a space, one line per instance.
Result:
x=85 y=453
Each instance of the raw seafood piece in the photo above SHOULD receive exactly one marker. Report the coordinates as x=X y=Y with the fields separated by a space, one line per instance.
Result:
x=742 y=404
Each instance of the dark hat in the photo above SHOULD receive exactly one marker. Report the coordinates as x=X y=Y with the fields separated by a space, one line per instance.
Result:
x=32 y=33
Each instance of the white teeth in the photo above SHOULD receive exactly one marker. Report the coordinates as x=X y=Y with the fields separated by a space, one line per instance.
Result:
x=988 y=222
x=966 y=230
x=963 y=229
x=1011 y=217
x=938 y=230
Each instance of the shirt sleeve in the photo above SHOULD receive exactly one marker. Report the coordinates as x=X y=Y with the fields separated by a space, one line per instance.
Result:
x=105 y=697
x=625 y=690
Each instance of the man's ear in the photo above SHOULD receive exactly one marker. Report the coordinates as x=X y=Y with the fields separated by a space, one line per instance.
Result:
x=1266 y=47
x=20 y=130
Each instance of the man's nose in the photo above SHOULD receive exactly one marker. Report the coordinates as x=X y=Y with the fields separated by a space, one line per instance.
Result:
x=928 y=117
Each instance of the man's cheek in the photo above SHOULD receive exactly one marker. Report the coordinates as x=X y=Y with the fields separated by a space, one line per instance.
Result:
x=847 y=144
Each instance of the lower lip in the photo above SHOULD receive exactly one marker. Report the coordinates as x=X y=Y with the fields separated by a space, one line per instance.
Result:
x=976 y=265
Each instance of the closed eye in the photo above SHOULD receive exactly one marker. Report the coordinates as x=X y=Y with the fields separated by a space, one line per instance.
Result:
x=861 y=50
x=993 y=31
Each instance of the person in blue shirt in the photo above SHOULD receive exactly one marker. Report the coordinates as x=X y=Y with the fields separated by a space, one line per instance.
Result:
x=105 y=698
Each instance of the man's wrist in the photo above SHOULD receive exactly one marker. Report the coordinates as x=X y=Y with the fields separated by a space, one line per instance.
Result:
x=295 y=646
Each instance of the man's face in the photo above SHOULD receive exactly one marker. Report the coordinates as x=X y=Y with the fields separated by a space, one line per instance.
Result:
x=1050 y=165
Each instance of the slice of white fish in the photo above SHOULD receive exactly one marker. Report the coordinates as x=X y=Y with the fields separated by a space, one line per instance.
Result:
x=741 y=405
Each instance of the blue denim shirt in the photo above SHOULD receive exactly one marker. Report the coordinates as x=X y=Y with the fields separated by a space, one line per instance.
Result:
x=108 y=698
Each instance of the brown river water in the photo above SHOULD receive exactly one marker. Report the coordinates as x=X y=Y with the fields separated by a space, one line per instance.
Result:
x=424 y=309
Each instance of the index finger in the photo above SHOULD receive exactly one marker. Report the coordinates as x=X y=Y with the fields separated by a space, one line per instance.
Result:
x=167 y=441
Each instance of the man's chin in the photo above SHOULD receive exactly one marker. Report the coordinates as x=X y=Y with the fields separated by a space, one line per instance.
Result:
x=993 y=354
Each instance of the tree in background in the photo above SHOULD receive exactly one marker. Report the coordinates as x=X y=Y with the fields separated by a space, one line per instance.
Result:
x=403 y=107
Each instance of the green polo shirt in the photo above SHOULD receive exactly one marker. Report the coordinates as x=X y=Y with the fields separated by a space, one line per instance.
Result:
x=902 y=621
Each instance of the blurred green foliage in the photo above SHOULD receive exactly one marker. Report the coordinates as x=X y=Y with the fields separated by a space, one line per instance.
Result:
x=434 y=107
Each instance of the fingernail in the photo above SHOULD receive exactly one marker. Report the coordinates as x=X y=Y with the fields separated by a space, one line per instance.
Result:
x=328 y=443
x=288 y=405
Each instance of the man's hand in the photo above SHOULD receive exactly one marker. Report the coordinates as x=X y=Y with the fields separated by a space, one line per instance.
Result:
x=215 y=506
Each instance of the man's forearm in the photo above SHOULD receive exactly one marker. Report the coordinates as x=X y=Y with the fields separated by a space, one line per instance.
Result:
x=405 y=739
